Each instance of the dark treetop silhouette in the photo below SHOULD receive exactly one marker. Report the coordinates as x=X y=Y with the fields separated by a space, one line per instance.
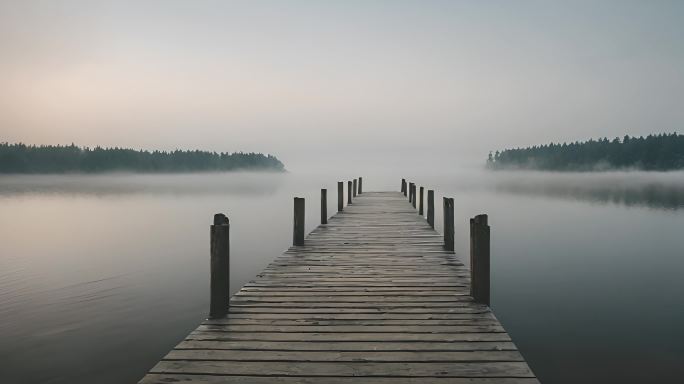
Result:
x=653 y=153
x=21 y=158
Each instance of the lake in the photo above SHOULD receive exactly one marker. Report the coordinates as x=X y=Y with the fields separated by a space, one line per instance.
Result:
x=100 y=275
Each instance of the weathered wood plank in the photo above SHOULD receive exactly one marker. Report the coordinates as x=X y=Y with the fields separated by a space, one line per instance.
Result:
x=343 y=356
x=327 y=328
x=155 y=378
x=348 y=336
x=262 y=345
x=388 y=322
x=353 y=369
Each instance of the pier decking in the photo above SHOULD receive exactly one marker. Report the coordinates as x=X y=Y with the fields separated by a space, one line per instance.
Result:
x=371 y=297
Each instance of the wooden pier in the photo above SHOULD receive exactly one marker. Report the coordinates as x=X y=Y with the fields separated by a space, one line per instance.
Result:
x=373 y=296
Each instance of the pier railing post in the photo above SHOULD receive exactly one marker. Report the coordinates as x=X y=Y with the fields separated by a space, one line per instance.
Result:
x=410 y=192
x=219 y=267
x=420 y=202
x=349 y=192
x=340 y=196
x=479 y=259
x=403 y=186
x=298 y=230
x=449 y=224
x=431 y=208
x=413 y=192
x=360 y=183
x=324 y=206
x=354 y=188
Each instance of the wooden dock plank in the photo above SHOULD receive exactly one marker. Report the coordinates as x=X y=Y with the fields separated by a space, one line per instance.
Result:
x=371 y=297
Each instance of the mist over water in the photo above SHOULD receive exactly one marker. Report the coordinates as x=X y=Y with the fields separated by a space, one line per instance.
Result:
x=100 y=275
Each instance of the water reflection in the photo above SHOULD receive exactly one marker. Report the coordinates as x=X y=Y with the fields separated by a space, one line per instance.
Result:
x=657 y=191
x=248 y=183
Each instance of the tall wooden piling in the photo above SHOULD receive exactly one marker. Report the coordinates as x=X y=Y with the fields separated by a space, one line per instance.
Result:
x=324 y=206
x=340 y=196
x=354 y=188
x=298 y=228
x=410 y=192
x=403 y=186
x=449 y=224
x=360 y=184
x=413 y=192
x=219 y=266
x=479 y=259
x=420 y=202
x=431 y=208
x=349 y=192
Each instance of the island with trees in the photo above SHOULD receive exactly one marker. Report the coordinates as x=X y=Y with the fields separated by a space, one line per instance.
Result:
x=661 y=152
x=22 y=158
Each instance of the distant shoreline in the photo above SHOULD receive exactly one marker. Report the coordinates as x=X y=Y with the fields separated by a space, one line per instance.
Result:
x=662 y=152
x=71 y=159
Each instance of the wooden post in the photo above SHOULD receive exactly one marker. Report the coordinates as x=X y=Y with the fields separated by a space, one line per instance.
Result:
x=354 y=188
x=479 y=259
x=410 y=192
x=324 y=206
x=449 y=224
x=340 y=196
x=360 y=183
x=431 y=208
x=420 y=204
x=413 y=192
x=298 y=230
x=349 y=192
x=403 y=186
x=219 y=266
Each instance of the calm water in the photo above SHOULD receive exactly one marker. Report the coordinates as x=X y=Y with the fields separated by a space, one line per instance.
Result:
x=101 y=275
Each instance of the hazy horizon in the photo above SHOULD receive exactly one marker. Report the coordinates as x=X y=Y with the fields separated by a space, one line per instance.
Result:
x=388 y=81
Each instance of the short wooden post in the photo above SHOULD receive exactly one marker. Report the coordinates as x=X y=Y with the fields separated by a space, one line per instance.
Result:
x=403 y=186
x=324 y=206
x=219 y=267
x=479 y=259
x=354 y=188
x=431 y=208
x=298 y=229
x=360 y=183
x=349 y=192
x=410 y=192
x=420 y=203
x=340 y=196
x=413 y=192
x=449 y=224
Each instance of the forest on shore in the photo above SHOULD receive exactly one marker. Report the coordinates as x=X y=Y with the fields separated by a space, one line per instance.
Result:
x=661 y=152
x=22 y=158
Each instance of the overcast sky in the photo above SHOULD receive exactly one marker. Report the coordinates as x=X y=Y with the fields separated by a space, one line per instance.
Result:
x=324 y=81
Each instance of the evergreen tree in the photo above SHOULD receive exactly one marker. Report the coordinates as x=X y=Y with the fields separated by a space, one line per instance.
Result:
x=21 y=158
x=660 y=152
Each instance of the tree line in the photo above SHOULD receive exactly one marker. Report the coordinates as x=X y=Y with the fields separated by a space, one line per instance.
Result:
x=661 y=152
x=22 y=158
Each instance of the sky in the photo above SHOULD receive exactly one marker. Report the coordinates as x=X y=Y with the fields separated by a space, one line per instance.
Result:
x=323 y=82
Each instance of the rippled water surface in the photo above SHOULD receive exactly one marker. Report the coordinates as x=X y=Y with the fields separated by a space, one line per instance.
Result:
x=101 y=275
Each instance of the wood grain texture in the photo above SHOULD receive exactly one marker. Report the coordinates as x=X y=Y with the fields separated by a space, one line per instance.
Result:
x=372 y=297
